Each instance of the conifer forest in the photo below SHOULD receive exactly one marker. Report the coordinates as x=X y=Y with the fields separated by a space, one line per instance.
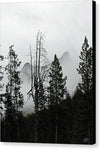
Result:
x=57 y=116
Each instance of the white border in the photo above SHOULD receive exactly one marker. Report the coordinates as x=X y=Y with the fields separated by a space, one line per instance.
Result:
x=20 y=146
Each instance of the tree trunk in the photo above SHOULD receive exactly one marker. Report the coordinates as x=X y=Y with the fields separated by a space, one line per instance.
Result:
x=56 y=129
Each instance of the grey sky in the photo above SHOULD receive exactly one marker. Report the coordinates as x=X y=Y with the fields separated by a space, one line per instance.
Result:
x=65 y=25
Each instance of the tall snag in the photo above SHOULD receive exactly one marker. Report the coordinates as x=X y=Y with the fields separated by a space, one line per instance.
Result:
x=38 y=75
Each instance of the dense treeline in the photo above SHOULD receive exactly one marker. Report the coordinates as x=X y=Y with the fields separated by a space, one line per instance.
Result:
x=58 y=117
x=46 y=126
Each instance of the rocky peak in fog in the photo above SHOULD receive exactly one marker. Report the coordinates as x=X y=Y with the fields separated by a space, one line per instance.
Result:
x=65 y=56
x=69 y=67
x=26 y=68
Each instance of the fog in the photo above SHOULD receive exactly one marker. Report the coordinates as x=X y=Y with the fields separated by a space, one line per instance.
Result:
x=64 y=25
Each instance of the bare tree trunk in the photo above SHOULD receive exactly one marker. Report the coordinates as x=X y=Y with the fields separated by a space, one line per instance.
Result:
x=36 y=116
x=56 y=130
x=9 y=131
x=9 y=124
x=35 y=81
x=35 y=86
x=39 y=59
x=31 y=71
x=18 y=130
x=56 y=127
x=36 y=92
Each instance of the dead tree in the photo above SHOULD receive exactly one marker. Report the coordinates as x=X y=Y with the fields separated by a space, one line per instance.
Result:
x=38 y=75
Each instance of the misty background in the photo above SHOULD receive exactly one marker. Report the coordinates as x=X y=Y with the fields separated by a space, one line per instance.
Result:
x=64 y=24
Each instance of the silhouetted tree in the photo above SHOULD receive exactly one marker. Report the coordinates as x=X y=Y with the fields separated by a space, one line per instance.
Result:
x=56 y=89
x=1 y=85
x=41 y=96
x=86 y=68
x=86 y=86
x=13 y=101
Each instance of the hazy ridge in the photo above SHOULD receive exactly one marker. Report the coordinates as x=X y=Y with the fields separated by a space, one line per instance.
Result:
x=69 y=67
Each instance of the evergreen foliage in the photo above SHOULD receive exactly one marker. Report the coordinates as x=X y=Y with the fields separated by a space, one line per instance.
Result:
x=86 y=68
x=1 y=72
x=83 y=97
x=41 y=96
x=57 y=88
x=56 y=92
x=13 y=100
x=1 y=85
x=58 y=117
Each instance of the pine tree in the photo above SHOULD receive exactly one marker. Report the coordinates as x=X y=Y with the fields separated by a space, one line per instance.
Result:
x=41 y=96
x=86 y=86
x=86 y=68
x=65 y=117
x=1 y=85
x=56 y=90
x=79 y=117
x=1 y=72
x=13 y=96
